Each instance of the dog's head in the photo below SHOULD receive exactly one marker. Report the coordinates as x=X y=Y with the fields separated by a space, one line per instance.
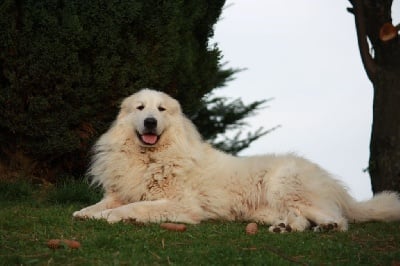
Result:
x=150 y=113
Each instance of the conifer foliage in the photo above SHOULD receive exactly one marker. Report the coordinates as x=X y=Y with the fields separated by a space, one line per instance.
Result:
x=65 y=66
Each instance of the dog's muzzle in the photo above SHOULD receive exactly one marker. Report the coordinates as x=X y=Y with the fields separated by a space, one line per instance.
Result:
x=149 y=135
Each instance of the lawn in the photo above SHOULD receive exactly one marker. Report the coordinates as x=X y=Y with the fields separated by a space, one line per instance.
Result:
x=30 y=216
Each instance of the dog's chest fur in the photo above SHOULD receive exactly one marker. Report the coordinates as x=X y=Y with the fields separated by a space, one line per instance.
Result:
x=158 y=175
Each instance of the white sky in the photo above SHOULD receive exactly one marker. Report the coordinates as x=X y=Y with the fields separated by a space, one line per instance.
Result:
x=304 y=54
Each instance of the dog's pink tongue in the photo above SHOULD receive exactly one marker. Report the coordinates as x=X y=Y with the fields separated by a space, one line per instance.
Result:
x=149 y=138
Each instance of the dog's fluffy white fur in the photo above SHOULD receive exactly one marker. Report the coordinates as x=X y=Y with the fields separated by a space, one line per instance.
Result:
x=154 y=166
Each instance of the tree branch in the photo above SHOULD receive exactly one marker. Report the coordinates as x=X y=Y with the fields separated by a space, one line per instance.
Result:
x=366 y=58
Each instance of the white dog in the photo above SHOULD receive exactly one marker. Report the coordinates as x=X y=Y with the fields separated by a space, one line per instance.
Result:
x=154 y=167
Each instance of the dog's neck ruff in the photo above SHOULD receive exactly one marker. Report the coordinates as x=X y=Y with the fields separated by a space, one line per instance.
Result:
x=151 y=149
x=147 y=149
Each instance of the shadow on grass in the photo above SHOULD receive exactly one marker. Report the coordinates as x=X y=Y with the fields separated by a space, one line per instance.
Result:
x=68 y=191
x=72 y=191
x=20 y=190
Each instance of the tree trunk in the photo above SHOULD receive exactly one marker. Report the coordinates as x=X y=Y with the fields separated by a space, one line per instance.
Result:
x=384 y=162
x=383 y=69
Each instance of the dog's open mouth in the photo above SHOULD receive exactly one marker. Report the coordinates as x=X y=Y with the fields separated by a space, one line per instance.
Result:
x=148 y=138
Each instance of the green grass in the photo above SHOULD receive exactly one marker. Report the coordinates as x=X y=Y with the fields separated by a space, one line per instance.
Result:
x=30 y=216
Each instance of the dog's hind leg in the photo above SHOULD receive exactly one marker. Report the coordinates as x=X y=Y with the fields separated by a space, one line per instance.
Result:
x=293 y=221
x=301 y=218
x=281 y=222
x=326 y=219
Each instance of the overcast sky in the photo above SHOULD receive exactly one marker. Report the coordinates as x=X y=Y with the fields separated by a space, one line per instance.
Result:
x=304 y=54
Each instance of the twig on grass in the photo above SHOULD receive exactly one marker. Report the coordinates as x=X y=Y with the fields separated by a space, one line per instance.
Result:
x=9 y=248
x=155 y=255
x=36 y=255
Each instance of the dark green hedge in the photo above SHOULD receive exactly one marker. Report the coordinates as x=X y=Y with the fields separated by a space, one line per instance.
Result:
x=66 y=65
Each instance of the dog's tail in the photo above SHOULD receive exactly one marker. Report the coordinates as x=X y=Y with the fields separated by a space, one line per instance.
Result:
x=384 y=206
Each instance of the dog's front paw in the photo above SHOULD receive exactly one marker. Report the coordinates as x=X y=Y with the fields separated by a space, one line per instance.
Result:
x=111 y=215
x=81 y=215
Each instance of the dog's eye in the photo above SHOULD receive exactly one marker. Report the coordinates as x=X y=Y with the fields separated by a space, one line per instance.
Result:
x=140 y=107
x=161 y=109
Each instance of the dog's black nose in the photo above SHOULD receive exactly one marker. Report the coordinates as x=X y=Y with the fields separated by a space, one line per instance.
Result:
x=150 y=123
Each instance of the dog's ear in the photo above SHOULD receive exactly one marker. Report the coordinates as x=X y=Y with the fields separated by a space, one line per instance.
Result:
x=175 y=107
x=124 y=109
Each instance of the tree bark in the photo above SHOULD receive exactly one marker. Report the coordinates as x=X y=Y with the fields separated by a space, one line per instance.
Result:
x=383 y=69
x=384 y=162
